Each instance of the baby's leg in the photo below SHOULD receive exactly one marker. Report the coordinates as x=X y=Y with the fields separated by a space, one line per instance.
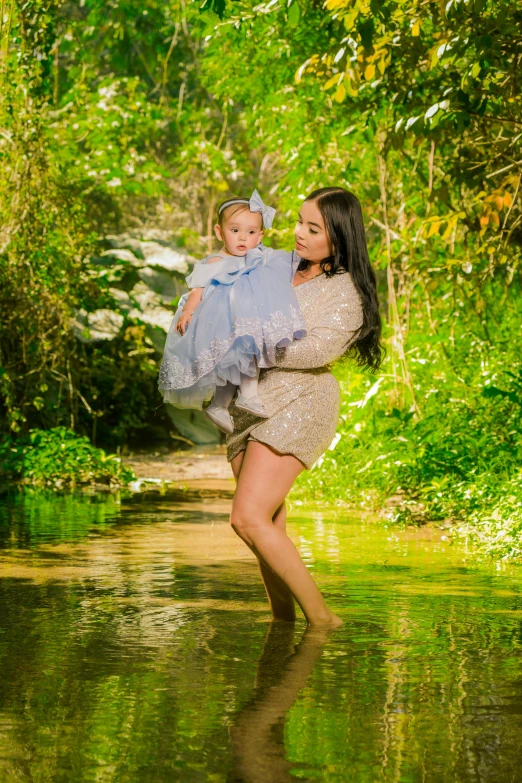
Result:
x=224 y=395
x=248 y=399
x=217 y=411
x=248 y=384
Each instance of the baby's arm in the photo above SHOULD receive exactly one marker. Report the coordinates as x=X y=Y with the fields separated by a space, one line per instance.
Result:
x=193 y=300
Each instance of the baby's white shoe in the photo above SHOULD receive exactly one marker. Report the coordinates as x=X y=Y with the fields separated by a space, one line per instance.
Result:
x=221 y=418
x=252 y=405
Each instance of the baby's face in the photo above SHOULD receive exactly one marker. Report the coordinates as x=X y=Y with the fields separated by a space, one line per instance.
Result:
x=241 y=232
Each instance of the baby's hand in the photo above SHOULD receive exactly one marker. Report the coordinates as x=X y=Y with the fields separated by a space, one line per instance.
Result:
x=183 y=322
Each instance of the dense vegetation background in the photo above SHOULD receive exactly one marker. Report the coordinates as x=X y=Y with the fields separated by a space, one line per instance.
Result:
x=122 y=124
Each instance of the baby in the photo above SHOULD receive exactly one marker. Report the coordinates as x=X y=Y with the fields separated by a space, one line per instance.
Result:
x=241 y=308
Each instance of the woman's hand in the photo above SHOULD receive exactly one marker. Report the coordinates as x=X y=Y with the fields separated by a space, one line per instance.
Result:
x=183 y=322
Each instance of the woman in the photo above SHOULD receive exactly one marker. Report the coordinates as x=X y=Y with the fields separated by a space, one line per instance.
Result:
x=336 y=289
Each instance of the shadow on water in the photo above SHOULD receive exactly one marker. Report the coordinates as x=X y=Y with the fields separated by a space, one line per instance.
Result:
x=135 y=645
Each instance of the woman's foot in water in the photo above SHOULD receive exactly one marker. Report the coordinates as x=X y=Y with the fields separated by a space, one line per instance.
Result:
x=331 y=621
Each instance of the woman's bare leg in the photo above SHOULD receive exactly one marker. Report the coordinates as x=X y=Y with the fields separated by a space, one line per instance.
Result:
x=279 y=596
x=263 y=483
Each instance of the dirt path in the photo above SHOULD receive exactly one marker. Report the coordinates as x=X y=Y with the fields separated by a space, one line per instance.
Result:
x=196 y=465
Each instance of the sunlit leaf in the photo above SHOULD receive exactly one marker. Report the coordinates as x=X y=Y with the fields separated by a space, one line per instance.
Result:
x=333 y=80
x=340 y=93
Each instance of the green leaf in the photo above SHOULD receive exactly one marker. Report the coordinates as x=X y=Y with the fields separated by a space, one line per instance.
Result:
x=494 y=391
x=294 y=14
x=366 y=30
x=218 y=6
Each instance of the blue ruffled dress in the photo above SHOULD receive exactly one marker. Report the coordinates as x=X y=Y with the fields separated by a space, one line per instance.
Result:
x=248 y=310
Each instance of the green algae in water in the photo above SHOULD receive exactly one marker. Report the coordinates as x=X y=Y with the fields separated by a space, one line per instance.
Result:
x=136 y=646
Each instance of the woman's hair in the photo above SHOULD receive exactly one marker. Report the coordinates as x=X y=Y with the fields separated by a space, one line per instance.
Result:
x=343 y=220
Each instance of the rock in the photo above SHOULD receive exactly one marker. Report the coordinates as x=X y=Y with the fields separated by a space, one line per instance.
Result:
x=153 y=246
x=150 y=307
x=147 y=254
x=162 y=283
x=165 y=257
x=99 y=325
x=123 y=255
x=125 y=303
x=126 y=241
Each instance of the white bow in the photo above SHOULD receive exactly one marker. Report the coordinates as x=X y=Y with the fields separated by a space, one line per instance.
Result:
x=256 y=205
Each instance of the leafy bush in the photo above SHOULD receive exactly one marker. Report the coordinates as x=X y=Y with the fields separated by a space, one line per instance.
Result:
x=496 y=525
x=59 y=457
x=457 y=460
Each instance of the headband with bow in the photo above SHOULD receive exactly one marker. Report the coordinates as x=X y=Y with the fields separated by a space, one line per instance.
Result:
x=255 y=204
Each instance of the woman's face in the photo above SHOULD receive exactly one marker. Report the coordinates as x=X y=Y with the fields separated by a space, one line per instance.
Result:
x=311 y=238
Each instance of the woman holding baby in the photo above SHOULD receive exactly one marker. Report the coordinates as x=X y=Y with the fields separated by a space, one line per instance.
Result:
x=268 y=324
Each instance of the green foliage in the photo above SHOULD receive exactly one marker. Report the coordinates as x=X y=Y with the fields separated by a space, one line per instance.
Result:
x=495 y=522
x=135 y=120
x=460 y=462
x=218 y=6
x=91 y=116
x=58 y=457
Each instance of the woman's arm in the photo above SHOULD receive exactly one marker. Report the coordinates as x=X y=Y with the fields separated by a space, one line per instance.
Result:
x=321 y=346
x=328 y=338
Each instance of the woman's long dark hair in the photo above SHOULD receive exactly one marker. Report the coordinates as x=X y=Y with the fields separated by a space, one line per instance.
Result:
x=343 y=220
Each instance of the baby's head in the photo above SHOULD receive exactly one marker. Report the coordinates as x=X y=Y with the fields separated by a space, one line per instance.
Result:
x=238 y=228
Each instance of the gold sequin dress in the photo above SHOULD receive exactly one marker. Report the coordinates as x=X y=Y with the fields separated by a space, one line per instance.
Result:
x=301 y=393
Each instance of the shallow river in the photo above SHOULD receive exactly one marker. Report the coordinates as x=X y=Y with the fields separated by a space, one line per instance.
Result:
x=135 y=645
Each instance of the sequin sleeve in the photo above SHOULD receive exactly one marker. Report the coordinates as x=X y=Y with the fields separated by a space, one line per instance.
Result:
x=331 y=333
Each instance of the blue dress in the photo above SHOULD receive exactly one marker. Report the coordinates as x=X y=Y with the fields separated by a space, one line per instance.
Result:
x=248 y=310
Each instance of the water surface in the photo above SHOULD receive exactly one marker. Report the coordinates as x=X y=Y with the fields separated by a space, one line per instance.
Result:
x=135 y=645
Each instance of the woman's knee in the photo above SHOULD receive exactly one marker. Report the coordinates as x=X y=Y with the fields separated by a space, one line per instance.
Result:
x=245 y=523
x=279 y=518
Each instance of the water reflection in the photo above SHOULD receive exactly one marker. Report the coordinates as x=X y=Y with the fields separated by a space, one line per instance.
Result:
x=131 y=630
x=257 y=734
